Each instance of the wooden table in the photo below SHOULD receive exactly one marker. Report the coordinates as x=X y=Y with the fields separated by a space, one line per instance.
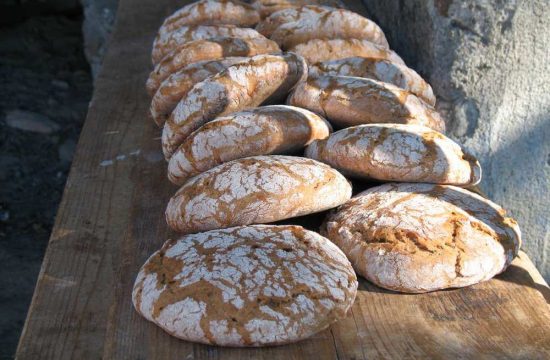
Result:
x=111 y=219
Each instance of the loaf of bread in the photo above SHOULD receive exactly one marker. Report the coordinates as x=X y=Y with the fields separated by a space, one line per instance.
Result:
x=318 y=50
x=397 y=152
x=347 y=101
x=423 y=237
x=275 y=129
x=244 y=85
x=267 y=26
x=268 y=7
x=166 y=43
x=211 y=49
x=377 y=69
x=173 y=88
x=334 y=24
x=255 y=190
x=246 y=286
x=212 y=12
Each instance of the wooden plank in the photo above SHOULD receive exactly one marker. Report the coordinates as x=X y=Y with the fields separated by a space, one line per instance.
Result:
x=112 y=218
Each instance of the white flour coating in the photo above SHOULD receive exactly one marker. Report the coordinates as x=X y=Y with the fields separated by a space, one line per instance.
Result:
x=257 y=189
x=377 y=69
x=246 y=286
x=268 y=25
x=397 y=152
x=275 y=129
x=423 y=237
x=242 y=85
x=271 y=7
x=318 y=50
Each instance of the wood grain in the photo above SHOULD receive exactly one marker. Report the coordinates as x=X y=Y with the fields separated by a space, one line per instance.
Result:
x=111 y=219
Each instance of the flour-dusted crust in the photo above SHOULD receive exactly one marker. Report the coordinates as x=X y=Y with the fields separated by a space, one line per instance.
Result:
x=268 y=25
x=396 y=152
x=334 y=24
x=241 y=86
x=377 y=69
x=212 y=12
x=246 y=286
x=173 y=88
x=275 y=129
x=258 y=189
x=318 y=50
x=423 y=237
x=203 y=50
x=348 y=101
x=165 y=43
x=269 y=7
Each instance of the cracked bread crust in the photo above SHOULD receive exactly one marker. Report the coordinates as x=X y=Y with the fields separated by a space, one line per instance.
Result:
x=212 y=12
x=210 y=49
x=275 y=129
x=173 y=88
x=269 y=7
x=166 y=43
x=396 y=152
x=258 y=189
x=268 y=25
x=246 y=286
x=377 y=69
x=422 y=237
x=260 y=79
x=318 y=50
x=348 y=101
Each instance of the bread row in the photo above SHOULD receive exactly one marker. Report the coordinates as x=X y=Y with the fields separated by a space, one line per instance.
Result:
x=238 y=106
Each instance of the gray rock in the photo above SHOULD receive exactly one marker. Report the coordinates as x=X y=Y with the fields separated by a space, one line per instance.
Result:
x=30 y=121
x=488 y=62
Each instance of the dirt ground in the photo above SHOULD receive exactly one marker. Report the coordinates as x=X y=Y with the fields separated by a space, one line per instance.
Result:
x=42 y=71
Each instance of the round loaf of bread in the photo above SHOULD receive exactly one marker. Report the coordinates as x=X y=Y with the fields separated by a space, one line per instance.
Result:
x=275 y=129
x=318 y=50
x=396 y=152
x=267 y=26
x=246 y=286
x=260 y=79
x=258 y=189
x=269 y=7
x=348 y=101
x=212 y=12
x=423 y=237
x=377 y=69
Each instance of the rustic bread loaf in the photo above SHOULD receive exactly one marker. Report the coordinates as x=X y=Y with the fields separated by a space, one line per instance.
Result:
x=334 y=24
x=268 y=7
x=377 y=69
x=423 y=237
x=173 y=88
x=396 y=152
x=347 y=101
x=258 y=189
x=166 y=43
x=275 y=129
x=246 y=286
x=267 y=26
x=247 y=84
x=318 y=50
x=212 y=12
x=211 y=49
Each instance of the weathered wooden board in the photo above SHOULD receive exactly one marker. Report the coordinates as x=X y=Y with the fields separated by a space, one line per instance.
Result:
x=112 y=217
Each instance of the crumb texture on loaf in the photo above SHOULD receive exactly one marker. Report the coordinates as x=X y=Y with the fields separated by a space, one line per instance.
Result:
x=397 y=152
x=423 y=237
x=259 y=189
x=246 y=286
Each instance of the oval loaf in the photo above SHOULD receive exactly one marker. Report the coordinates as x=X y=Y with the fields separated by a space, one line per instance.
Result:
x=268 y=25
x=173 y=88
x=397 y=152
x=347 y=101
x=258 y=189
x=423 y=237
x=211 y=49
x=246 y=286
x=318 y=50
x=262 y=78
x=212 y=12
x=275 y=129
x=377 y=69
